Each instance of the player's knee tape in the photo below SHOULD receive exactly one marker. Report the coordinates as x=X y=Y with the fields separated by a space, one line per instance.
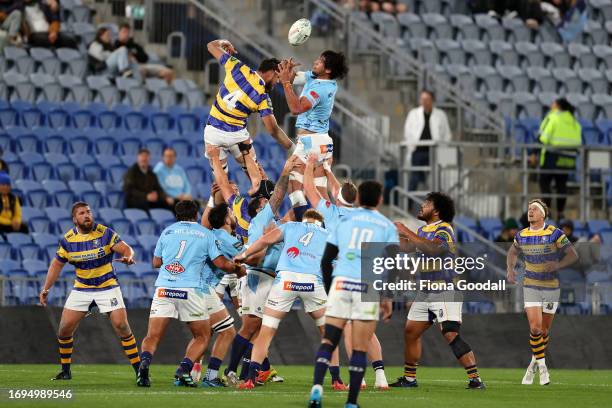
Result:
x=320 y=321
x=320 y=181
x=296 y=176
x=333 y=334
x=270 y=321
x=297 y=198
x=450 y=326
x=244 y=147
x=459 y=347
x=223 y=325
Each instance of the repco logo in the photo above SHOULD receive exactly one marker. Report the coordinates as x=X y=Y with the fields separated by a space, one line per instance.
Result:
x=293 y=252
x=175 y=268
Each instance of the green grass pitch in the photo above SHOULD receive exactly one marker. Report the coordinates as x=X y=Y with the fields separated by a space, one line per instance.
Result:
x=114 y=386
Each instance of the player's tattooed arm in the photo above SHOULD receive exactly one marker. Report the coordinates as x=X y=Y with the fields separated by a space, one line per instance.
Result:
x=511 y=259
x=219 y=47
x=281 y=185
x=220 y=177
x=310 y=190
x=55 y=268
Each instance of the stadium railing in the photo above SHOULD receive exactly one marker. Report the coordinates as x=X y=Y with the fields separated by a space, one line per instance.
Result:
x=491 y=179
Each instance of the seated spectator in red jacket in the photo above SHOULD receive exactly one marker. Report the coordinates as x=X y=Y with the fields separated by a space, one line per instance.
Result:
x=10 y=208
x=141 y=186
x=125 y=39
x=43 y=25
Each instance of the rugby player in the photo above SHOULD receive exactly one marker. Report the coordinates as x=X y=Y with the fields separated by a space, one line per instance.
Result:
x=298 y=275
x=546 y=250
x=243 y=92
x=348 y=295
x=345 y=195
x=89 y=246
x=181 y=291
x=260 y=275
x=436 y=239
x=313 y=107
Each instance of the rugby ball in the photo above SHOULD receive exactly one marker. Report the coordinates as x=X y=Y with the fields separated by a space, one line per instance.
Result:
x=299 y=32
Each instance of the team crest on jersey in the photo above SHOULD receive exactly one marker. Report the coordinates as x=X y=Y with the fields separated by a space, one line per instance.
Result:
x=293 y=252
x=327 y=204
x=298 y=286
x=114 y=302
x=175 y=268
x=314 y=95
x=95 y=243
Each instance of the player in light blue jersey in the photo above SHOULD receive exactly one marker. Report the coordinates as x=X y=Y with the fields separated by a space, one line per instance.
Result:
x=345 y=195
x=298 y=276
x=181 y=254
x=254 y=287
x=347 y=290
x=314 y=107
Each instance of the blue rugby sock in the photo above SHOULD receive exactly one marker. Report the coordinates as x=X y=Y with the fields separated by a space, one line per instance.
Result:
x=239 y=346
x=357 y=367
x=322 y=362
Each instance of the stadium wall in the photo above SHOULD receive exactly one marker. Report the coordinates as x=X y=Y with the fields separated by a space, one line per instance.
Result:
x=499 y=340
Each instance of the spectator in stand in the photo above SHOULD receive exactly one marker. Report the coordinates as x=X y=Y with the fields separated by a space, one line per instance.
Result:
x=10 y=208
x=172 y=177
x=529 y=11
x=509 y=231
x=388 y=6
x=103 y=58
x=425 y=123
x=10 y=22
x=125 y=39
x=589 y=250
x=43 y=25
x=568 y=16
x=141 y=186
x=567 y=226
x=562 y=133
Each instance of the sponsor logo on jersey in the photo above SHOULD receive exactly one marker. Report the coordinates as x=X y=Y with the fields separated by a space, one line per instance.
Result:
x=298 y=286
x=327 y=204
x=293 y=252
x=350 y=286
x=350 y=256
x=175 y=268
x=327 y=148
x=314 y=95
x=172 y=293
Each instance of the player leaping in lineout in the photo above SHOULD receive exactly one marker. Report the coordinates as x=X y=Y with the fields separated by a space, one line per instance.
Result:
x=243 y=91
x=313 y=107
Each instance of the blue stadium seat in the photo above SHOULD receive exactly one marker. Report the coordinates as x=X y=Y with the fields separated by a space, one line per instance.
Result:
x=80 y=145
x=33 y=266
x=58 y=119
x=41 y=171
x=6 y=142
x=121 y=225
x=9 y=118
x=109 y=120
x=596 y=226
x=116 y=173
x=105 y=145
x=135 y=214
x=83 y=119
x=64 y=224
x=155 y=145
x=55 y=144
x=182 y=147
x=135 y=121
x=28 y=143
x=66 y=171
x=39 y=224
x=17 y=238
x=140 y=269
x=109 y=213
x=188 y=122
x=93 y=172
x=5 y=251
x=145 y=226
x=148 y=243
x=101 y=187
x=160 y=215
x=80 y=186
x=31 y=118
x=45 y=239
x=130 y=146
x=94 y=198
x=7 y=265
x=162 y=122
x=115 y=198
x=55 y=213
x=195 y=174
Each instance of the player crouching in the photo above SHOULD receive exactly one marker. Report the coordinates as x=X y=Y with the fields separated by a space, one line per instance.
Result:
x=181 y=254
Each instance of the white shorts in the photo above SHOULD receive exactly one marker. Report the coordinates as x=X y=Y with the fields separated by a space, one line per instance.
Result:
x=254 y=291
x=227 y=141
x=318 y=143
x=548 y=300
x=434 y=307
x=346 y=300
x=231 y=280
x=185 y=304
x=288 y=286
x=106 y=300
x=213 y=302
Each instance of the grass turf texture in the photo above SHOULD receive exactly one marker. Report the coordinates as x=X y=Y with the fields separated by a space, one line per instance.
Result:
x=115 y=386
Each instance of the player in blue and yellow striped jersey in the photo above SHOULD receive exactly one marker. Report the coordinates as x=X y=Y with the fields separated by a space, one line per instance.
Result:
x=89 y=246
x=435 y=240
x=243 y=91
x=546 y=250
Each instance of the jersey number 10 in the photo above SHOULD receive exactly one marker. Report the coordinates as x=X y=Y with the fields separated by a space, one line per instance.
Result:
x=358 y=236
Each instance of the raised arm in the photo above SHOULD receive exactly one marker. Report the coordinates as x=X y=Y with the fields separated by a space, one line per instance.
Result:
x=296 y=104
x=281 y=185
x=433 y=247
x=220 y=177
x=276 y=132
x=55 y=268
x=220 y=47
x=310 y=190
x=270 y=238
x=332 y=182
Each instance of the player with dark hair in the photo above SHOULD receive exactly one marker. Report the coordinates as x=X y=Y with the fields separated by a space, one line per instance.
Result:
x=243 y=92
x=349 y=297
x=434 y=241
x=183 y=254
x=89 y=246
x=314 y=108
x=546 y=250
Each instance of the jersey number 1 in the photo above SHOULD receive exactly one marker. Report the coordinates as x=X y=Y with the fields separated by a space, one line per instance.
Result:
x=232 y=98
x=181 y=250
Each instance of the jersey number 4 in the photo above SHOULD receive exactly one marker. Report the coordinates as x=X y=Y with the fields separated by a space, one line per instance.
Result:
x=358 y=236
x=232 y=98
x=305 y=239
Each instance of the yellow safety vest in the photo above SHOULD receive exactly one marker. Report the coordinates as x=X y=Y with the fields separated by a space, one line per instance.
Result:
x=560 y=129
